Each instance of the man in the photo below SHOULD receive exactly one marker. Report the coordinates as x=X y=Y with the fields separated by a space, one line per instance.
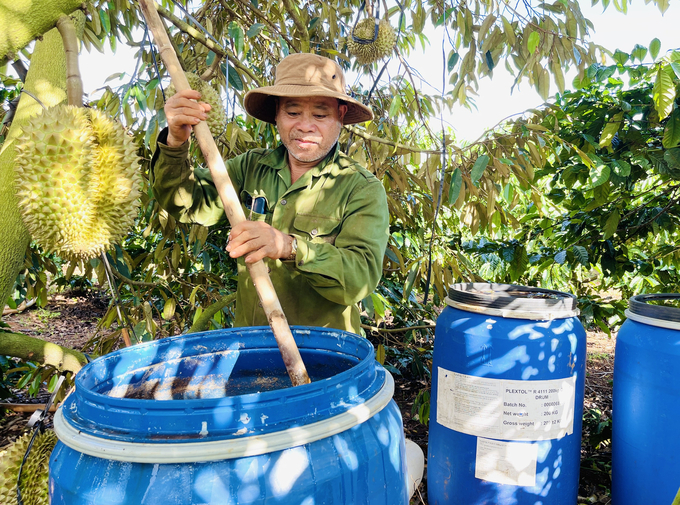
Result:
x=317 y=218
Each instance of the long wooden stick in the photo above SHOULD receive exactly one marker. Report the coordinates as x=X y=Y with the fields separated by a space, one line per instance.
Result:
x=232 y=206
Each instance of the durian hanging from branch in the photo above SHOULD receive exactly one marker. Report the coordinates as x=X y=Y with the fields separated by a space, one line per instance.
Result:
x=371 y=38
x=77 y=172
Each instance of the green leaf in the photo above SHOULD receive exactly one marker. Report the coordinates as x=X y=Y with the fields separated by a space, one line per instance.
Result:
x=453 y=59
x=561 y=257
x=380 y=354
x=53 y=383
x=532 y=43
x=106 y=22
x=599 y=175
x=169 y=309
x=478 y=168
x=378 y=306
x=390 y=254
x=395 y=106
x=581 y=255
x=456 y=184
x=489 y=60
x=663 y=7
x=368 y=307
x=676 y=68
x=611 y=225
x=610 y=130
x=639 y=52
x=663 y=92
x=236 y=34
x=233 y=77
x=620 y=57
x=621 y=168
x=672 y=159
x=255 y=30
x=284 y=46
x=408 y=287
x=654 y=47
x=671 y=133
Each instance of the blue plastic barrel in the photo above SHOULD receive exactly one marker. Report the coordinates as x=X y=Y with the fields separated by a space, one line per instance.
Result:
x=508 y=378
x=646 y=407
x=210 y=418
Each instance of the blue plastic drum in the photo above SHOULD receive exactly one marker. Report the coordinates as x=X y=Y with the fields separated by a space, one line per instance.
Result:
x=210 y=418
x=646 y=408
x=508 y=379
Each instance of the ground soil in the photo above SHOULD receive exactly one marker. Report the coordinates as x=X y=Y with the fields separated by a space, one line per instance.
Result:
x=71 y=320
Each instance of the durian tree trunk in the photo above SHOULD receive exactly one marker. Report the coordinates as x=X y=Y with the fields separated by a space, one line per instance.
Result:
x=22 y=21
x=46 y=81
x=28 y=348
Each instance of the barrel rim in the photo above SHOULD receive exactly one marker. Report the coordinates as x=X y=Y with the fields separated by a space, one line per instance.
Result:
x=215 y=450
x=639 y=305
x=184 y=420
x=495 y=297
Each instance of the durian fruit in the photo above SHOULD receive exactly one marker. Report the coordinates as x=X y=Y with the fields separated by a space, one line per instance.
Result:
x=34 y=489
x=78 y=181
x=367 y=53
x=217 y=117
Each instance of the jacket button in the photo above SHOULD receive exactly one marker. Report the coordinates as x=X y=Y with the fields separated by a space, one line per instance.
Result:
x=301 y=263
x=284 y=201
x=314 y=232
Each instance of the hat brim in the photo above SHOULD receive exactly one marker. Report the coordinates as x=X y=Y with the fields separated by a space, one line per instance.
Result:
x=260 y=102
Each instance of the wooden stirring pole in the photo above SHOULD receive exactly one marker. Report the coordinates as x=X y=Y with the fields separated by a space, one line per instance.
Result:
x=232 y=207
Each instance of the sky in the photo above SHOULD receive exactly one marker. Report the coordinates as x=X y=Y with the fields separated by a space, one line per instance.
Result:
x=495 y=102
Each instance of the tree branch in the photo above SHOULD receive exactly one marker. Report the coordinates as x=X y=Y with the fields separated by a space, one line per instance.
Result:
x=299 y=24
x=262 y=17
x=396 y=145
x=29 y=348
x=202 y=322
x=74 y=84
x=129 y=281
x=201 y=38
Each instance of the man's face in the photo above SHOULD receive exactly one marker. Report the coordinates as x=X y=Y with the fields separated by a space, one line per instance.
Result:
x=310 y=126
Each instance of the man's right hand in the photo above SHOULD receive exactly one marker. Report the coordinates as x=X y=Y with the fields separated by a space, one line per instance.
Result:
x=182 y=111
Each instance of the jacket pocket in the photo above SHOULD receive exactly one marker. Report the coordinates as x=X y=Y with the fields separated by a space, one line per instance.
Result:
x=317 y=228
x=256 y=208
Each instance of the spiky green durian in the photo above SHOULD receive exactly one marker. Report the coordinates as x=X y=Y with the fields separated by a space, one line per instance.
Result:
x=78 y=180
x=34 y=489
x=382 y=46
x=217 y=117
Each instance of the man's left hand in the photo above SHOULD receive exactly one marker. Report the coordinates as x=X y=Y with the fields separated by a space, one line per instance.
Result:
x=257 y=240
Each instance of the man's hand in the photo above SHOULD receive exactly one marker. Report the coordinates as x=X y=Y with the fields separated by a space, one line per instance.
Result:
x=182 y=111
x=257 y=240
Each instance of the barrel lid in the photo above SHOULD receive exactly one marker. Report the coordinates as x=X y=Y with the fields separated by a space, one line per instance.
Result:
x=513 y=301
x=642 y=308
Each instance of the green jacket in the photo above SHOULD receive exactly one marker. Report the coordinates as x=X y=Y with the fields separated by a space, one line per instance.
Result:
x=337 y=211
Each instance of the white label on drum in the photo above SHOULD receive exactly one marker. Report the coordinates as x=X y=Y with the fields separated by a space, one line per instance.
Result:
x=512 y=463
x=506 y=409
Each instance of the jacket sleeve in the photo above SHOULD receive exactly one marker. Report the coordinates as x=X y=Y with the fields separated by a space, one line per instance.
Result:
x=187 y=193
x=349 y=270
